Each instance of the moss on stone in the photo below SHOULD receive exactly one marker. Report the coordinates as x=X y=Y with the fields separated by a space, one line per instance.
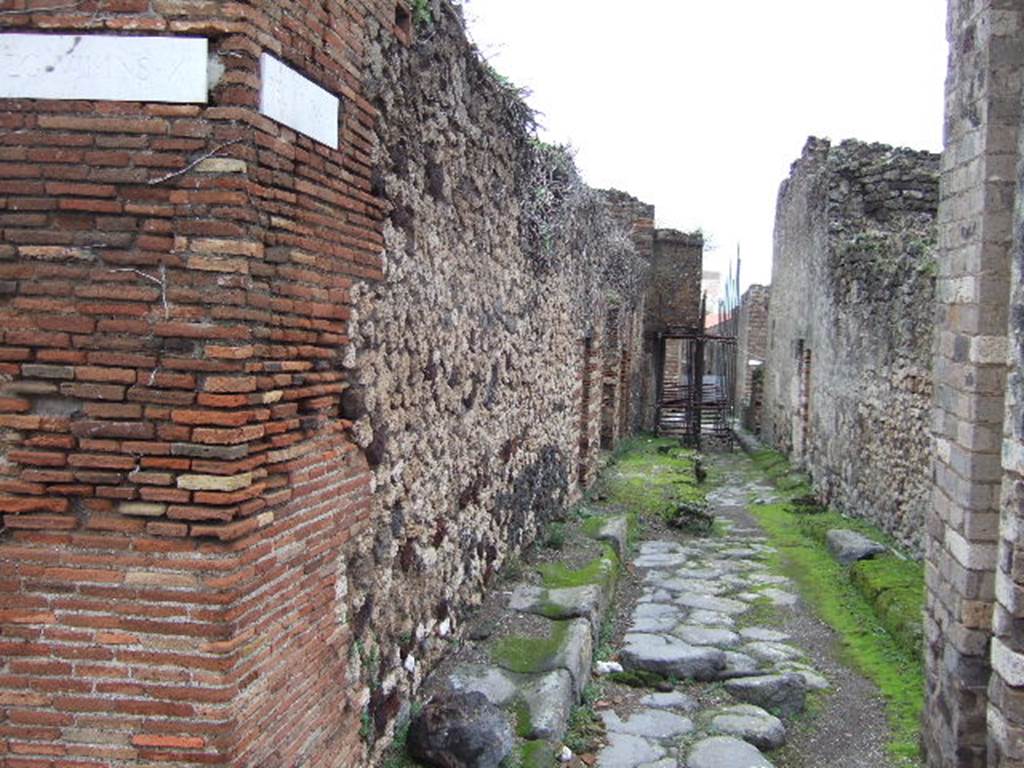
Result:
x=896 y=589
x=882 y=657
x=650 y=476
x=521 y=713
x=636 y=678
x=531 y=654
x=592 y=526
x=536 y=754
x=601 y=570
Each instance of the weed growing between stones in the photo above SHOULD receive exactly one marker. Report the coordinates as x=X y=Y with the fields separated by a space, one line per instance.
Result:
x=421 y=12
x=585 y=726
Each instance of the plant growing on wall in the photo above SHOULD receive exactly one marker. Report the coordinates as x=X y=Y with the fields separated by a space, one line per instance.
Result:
x=421 y=13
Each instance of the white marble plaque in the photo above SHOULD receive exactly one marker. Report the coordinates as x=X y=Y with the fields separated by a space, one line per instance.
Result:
x=298 y=102
x=103 y=67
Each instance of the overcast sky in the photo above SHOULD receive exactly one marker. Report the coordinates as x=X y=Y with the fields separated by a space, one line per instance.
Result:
x=701 y=107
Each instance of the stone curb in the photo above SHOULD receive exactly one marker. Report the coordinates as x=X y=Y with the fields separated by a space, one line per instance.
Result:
x=541 y=702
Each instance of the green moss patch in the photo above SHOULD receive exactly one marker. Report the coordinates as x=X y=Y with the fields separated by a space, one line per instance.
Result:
x=895 y=588
x=536 y=754
x=636 y=678
x=521 y=713
x=650 y=476
x=601 y=570
x=531 y=654
x=864 y=637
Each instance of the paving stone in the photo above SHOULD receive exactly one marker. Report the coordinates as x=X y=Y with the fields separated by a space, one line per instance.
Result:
x=763 y=634
x=657 y=547
x=769 y=578
x=655 y=596
x=752 y=724
x=656 y=724
x=725 y=752
x=709 y=603
x=658 y=654
x=699 y=573
x=773 y=653
x=739 y=665
x=625 y=750
x=711 y=619
x=653 y=626
x=783 y=694
x=657 y=611
x=616 y=532
x=661 y=560
x=674 y=700
x=497 y=685
x=676 y=584
x=849 y=546
x=780 y=597
x=815 y=680
x=696 y=635
x=741 y=553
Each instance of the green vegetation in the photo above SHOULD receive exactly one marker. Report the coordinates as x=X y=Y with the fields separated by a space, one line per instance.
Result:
x=531 y=654
x=421 y=13
x=585 y=726
x=600 y=570
x=652 y=476
x=521 y=712
x=875 y=606
x=536 y=754
x=895 y=588
x=637 y=678
x=396 y=756
x=554 y=536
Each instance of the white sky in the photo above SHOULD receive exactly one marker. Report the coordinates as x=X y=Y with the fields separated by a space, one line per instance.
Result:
x=701 y=107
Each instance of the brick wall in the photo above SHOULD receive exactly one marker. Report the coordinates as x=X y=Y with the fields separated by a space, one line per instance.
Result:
x=851 y=322
x=975 y=231
x=751 y=348
x=963 y=543
x=676 y=269
x=176 y=481
x=637 y=218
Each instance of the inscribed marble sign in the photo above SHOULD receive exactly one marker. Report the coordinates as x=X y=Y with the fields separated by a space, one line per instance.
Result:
x=103 y=67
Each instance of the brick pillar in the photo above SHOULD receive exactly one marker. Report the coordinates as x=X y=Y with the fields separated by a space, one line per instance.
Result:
x=177 y=487
x=975 y=228
x=1006 y=686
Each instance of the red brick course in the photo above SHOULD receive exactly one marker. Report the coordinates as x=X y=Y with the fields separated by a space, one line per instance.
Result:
x=155 y=326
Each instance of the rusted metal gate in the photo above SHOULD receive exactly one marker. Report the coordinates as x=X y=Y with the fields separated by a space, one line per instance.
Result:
x=699 y=401
x=696 y=373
